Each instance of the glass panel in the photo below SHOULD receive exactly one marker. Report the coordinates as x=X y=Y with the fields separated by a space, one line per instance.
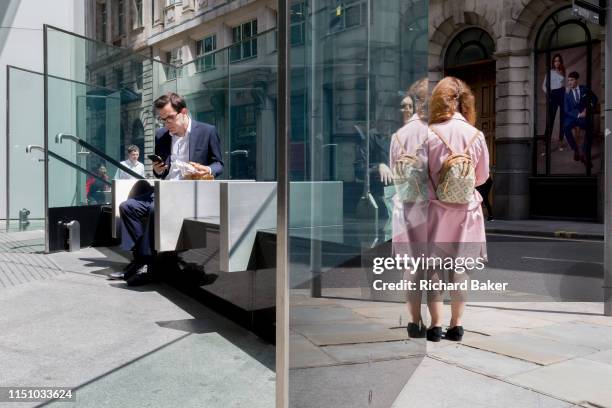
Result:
x=25 y=128
x=99 y=102
x=347 y=86
x=103 y=95
x=252 y=112
x=240 y=101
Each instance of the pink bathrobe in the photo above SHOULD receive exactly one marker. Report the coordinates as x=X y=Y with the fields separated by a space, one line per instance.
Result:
x=457 y=229
x=410 y=219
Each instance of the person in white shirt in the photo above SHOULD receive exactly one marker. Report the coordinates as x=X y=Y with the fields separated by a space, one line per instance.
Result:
x=132 y=163
x=556 y=96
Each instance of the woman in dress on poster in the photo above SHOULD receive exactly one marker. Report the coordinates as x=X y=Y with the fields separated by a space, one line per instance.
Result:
x=556 y=97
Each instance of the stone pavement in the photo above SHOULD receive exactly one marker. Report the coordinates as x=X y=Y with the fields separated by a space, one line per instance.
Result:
x=64 y=324
x=514 y=354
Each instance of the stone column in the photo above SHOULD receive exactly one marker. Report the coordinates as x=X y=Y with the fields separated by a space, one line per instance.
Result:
x=513 y=136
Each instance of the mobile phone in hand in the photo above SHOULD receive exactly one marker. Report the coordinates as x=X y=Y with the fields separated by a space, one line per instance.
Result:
x=155 y=158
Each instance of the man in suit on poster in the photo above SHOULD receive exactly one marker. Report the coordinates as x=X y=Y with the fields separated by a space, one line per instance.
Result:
x=579 y=103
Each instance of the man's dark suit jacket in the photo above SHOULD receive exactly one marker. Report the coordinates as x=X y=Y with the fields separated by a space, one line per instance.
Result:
x=573 y=107
x=204 y=147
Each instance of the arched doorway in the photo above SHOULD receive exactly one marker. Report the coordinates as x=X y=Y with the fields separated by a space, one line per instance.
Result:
x=469 y=57
x=566 y=157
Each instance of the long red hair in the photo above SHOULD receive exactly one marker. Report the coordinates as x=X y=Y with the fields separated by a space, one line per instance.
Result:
x=451 y=95
x=561 y=66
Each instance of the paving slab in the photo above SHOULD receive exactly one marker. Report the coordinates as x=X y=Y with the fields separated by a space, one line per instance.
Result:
x=604 y=357
x=579 y=333
x=494 y=322
x=436 y=384
x=536 y=349
x=579 y=380
x=600 y=320
x=127 y=347
x=348 y=333
x=299 y=315
x=199 y=370
x=367 y=352
x=481 y=361
x=304 y=354
x=374 y=385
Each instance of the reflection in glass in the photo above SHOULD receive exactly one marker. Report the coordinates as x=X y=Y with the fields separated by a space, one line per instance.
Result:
x=349 y=96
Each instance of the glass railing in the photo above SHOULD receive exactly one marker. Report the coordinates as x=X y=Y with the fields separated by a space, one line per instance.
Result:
x=25 y=171
x=351 y=67
x=103 y=95
x=99 y=102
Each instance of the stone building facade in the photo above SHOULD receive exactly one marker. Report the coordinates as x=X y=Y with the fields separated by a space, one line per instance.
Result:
x=408 y=39
x=514 y=26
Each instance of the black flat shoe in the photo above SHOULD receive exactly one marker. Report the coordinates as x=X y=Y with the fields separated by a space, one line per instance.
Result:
x=142 y=276
x=434 y=334
x=454 y=333
x=128 y=271
x=416 y=330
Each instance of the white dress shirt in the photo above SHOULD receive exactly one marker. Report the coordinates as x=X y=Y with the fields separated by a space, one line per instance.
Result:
x=137 y=167
x=556 y=80
x=180 y=151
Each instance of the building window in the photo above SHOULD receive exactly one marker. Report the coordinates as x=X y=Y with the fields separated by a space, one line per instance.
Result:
x=138 y=73
x=471 y=46
x=298 y=23
x=103 y=21
x=566 y=44
x=205 y=52
x=171 y=2
x=121 y=17
x=174 y=58
x=137 y=14
x=244 y=40
x=352 y=14
x=118 y=77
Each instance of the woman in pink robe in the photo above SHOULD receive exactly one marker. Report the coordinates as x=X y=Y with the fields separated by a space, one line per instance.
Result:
x=409 y=219
x=455 y=230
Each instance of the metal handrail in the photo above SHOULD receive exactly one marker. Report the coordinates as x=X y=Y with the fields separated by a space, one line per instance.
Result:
x=56 y=156
x=61 y=136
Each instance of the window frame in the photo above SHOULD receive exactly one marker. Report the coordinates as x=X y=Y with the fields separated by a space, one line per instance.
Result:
x=243 y=41
x=202 y=57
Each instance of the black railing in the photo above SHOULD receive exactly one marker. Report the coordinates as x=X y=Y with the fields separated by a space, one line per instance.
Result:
x=67 y=162
x=61 y=136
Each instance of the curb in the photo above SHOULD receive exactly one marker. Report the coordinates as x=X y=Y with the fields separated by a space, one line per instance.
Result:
x=548 y=234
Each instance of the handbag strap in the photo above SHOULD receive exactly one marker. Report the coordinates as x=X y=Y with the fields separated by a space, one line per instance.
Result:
x=401 y=145
x=470 y=142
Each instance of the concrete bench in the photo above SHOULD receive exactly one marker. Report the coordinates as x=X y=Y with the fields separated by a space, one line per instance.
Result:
x=225 y=215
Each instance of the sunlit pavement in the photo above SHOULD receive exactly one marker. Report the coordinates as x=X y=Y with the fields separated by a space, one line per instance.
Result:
x=67 y=325
x=64 y=324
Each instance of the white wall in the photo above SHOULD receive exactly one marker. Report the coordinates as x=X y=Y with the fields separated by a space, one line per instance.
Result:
x=21 y=45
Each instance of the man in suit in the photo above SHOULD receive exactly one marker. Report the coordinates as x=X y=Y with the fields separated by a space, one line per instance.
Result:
x=180 y=139
x=579 y=102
